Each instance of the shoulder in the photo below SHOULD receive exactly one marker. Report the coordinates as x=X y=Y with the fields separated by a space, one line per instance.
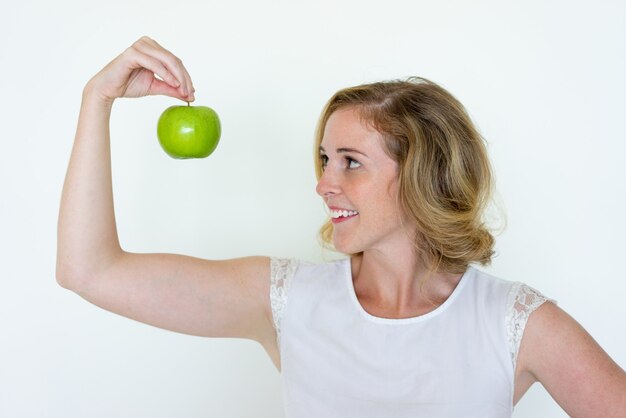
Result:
x=488 y=286
x=519 y=299
x=522 y=302
x=509 y=300
x=283 y=270
x=287 y=272
x=512 y=302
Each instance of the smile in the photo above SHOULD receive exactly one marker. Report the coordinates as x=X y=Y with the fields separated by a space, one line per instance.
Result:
x=342 y=215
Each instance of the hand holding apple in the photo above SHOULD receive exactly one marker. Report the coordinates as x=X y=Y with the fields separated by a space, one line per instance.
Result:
x=146 y=68
x=189 y=131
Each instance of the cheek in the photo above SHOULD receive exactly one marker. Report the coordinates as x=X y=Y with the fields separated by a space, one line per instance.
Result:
x=398 y=209
x=393 y=194
x=380 y=202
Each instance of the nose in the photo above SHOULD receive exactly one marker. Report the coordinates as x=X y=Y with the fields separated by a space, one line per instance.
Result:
x=328 y=184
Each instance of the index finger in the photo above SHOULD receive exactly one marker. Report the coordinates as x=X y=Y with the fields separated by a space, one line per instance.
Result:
x=171 y=62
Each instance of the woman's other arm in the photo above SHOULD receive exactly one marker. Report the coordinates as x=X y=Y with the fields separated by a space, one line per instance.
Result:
x=581 y=377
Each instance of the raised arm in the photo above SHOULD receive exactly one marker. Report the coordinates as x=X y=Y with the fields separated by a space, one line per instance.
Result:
x=227 y=298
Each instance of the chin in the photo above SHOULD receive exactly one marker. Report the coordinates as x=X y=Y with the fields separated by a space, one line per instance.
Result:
x=346 y=247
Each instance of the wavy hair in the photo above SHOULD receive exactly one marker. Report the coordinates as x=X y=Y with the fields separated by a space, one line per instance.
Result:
x=445 y=177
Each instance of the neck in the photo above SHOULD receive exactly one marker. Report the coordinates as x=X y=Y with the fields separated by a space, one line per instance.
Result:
x=399 y=283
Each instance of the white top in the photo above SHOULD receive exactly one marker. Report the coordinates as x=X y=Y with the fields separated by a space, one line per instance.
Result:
x=339 y=361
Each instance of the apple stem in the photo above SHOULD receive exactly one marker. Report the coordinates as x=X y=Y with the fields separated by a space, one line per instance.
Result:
x=188 y=104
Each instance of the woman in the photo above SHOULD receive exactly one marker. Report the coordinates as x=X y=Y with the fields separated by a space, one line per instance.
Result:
x=404 y=326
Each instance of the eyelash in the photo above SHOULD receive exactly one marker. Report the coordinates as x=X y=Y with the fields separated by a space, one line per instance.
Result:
x=324 y=160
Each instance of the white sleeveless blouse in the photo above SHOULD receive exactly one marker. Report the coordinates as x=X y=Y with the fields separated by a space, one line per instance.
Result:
x=340 y=361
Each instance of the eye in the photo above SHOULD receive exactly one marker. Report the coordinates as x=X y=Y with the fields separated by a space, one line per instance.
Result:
x=353 y=163
x=323 y=160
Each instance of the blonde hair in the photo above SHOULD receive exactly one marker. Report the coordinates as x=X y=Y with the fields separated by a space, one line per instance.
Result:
x=445 y=178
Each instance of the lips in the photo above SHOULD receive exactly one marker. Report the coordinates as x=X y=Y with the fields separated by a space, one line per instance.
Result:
x=342 y=214
x=342 y=219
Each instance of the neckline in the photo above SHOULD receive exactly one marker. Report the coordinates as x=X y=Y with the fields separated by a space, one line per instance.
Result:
x=398 y=321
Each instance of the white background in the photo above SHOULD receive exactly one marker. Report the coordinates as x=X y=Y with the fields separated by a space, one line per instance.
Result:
x=544 y=82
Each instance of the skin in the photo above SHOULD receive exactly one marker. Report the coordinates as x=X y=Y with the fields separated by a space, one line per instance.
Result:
x=230 y=298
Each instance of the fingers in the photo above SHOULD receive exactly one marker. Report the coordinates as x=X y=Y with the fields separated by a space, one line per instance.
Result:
x=161 y=87
x=185 y=77
x=165 y=64
x=156 y=67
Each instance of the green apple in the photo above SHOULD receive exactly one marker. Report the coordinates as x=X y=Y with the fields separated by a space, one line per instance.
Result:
x=189 y=131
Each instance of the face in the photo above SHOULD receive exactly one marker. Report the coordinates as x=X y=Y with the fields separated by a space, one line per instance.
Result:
x=360 y=186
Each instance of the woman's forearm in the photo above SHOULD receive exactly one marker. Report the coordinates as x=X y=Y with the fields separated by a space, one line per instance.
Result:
x=87 y=235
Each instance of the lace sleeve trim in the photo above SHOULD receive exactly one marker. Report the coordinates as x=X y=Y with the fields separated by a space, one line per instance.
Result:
x=281 y=272
x=522 y=301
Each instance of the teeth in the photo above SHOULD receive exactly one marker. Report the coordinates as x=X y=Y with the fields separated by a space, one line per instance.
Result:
x=342 y=213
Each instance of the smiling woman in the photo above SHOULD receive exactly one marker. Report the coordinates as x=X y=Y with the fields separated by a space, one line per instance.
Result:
x=441 y=161
x=358 y=177
x=405 y=325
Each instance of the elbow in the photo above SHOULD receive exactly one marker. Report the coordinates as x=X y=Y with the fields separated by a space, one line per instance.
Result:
x=75 y=276
x=68 y=269
x=74 y=279
x=72 y=275
x=67 y=277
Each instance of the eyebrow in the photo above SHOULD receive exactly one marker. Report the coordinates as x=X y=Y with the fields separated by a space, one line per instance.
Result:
x=340 y=150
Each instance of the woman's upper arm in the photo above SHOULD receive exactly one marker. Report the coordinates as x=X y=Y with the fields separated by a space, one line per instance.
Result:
x=573 y=368
x=228 y=298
